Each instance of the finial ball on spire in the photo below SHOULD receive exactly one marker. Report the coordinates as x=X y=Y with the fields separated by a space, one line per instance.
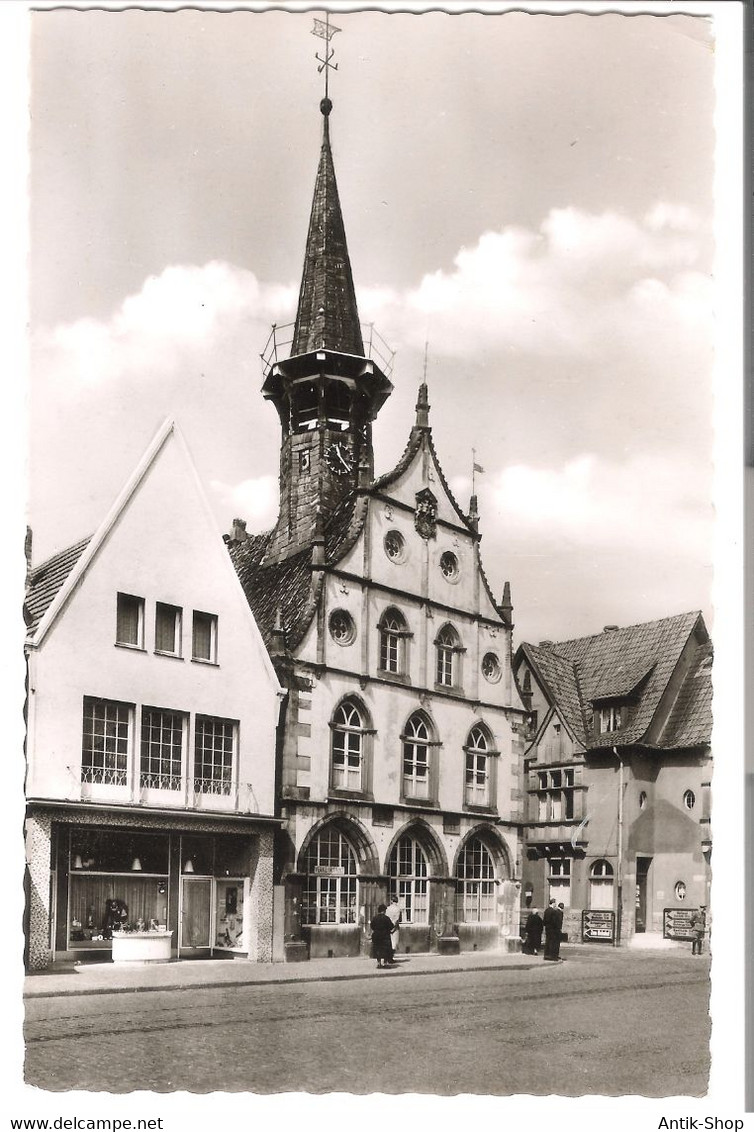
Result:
x=326 y=106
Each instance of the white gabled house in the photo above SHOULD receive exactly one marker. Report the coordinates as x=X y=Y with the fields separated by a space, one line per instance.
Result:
x=152 y=714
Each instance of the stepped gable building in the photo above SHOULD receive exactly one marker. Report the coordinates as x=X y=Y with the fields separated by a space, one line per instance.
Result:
x=618 y=768
x=152 y=710
x=398 y=753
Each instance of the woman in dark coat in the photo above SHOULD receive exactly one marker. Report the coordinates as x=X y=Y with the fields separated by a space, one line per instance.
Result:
x=553 y=921
x=382 y=949
x=533 y=933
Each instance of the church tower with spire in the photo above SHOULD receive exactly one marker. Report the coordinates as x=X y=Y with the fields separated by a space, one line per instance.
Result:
x=400 y=746
x=327 y=392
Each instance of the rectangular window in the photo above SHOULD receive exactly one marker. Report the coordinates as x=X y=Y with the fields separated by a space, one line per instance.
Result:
x=129 y=623
x=104 y=749
x=610 y=718
x=560 y=880
x=477 y=779
x=204 y=637
x=162 y=740
x=214 y=751
x=415 y=771
x=167 y=629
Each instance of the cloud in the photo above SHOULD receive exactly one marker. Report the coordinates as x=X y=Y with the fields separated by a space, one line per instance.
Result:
x=578 y=282
x=255 y=500
x=593 y=503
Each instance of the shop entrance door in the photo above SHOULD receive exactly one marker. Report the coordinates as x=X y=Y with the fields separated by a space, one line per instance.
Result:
x=642 y=872
x=196 y=915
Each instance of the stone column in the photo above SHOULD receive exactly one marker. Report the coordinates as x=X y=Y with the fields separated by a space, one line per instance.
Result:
x=38 y=910
x=260 y=899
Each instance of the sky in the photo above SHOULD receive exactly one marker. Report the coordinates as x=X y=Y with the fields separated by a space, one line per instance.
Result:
x=530 y=195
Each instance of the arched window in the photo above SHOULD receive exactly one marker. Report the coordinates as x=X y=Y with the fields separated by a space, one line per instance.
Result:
x=476 y=876
x=601 y=885
x=330 y=889
x=416 y=759
x=408 y=872
x=478 y=768
x=448 y=647
x=393 y=634
x=347 y=747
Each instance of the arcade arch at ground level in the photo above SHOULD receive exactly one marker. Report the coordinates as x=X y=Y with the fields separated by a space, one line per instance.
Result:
x=454 y=892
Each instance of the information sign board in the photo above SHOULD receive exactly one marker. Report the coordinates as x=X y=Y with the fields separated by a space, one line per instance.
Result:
x=598 y=925
x=676 y=923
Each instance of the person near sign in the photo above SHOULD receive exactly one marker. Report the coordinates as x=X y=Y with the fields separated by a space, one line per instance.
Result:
x=553 y=924
x=697 y=924
x=533 y=929
x=381 y=926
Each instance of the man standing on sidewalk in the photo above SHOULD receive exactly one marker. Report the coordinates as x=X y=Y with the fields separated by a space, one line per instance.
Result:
x=553 y=921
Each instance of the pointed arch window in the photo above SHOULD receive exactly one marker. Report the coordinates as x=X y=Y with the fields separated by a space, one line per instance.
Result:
x=350 y=748
x=330 y=891
x=448 y=663
x=408 y=870
x=476 y=883
x=394 y=637
x=419 y=766
x=480 y=787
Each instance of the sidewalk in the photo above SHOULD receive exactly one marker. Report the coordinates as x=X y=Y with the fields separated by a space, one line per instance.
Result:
x=107 y=978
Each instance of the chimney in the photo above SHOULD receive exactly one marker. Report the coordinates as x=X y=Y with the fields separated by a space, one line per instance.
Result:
x=238 y=531
x=610 y=629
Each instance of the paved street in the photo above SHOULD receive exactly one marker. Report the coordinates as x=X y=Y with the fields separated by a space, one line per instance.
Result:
x=604 y=1021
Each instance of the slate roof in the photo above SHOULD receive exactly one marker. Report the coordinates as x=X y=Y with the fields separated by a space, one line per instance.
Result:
x=46 y=580
x=634 y=664
x=327 y=315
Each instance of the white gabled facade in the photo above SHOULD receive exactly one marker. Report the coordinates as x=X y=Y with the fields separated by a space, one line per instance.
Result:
x=152 y=712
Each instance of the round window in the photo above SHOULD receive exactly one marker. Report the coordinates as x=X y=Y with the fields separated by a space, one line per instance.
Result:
x=689 y=799
x=342 y=628
x=680 y=890
x=642 y=800
x=449 y=566
x=491 y=667
x=395 y=546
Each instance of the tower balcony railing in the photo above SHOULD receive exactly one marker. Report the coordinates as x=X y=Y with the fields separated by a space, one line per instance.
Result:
x=279 y=344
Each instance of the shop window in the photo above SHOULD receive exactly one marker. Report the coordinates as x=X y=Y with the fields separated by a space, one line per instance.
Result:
x=204 y=637
x=214 y=755
x=601 y=885
x=559 y=880
x=129 y=623
x=393 y=637
x=417 y=746
x=130 y=869
x=476 y=880
x=167 y=629
x=478 y=787
x=448 y=647
x=348 y=743
x=105 y=742
x=162 y=739
x=408 y=871
x=330 y=890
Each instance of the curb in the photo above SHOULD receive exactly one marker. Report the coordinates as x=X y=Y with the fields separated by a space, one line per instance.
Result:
x=248 y=982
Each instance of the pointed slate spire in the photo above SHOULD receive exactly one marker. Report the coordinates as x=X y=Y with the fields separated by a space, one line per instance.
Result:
x=327 y=316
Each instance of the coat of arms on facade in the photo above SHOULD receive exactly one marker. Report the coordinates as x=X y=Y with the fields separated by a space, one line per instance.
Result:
x=425 y=515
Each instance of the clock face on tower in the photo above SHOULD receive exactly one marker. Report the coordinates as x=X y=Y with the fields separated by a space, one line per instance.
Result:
x=339 y=458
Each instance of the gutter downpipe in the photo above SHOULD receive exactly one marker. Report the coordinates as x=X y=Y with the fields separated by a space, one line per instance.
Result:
x=619 y=913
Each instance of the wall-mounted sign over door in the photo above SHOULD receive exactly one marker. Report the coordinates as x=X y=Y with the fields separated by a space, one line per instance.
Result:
x=597 y=926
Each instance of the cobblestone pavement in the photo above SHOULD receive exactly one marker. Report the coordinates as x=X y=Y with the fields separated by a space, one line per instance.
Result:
x=608 y=1023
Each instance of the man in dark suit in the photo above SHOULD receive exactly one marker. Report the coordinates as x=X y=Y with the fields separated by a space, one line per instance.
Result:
x=553 y=921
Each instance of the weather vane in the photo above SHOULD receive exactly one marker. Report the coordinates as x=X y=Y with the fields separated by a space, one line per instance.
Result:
x=325 y=30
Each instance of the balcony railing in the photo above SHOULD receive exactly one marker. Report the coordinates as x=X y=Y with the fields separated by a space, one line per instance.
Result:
x=212 y=786
x=281 y=338
x=104 y=775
